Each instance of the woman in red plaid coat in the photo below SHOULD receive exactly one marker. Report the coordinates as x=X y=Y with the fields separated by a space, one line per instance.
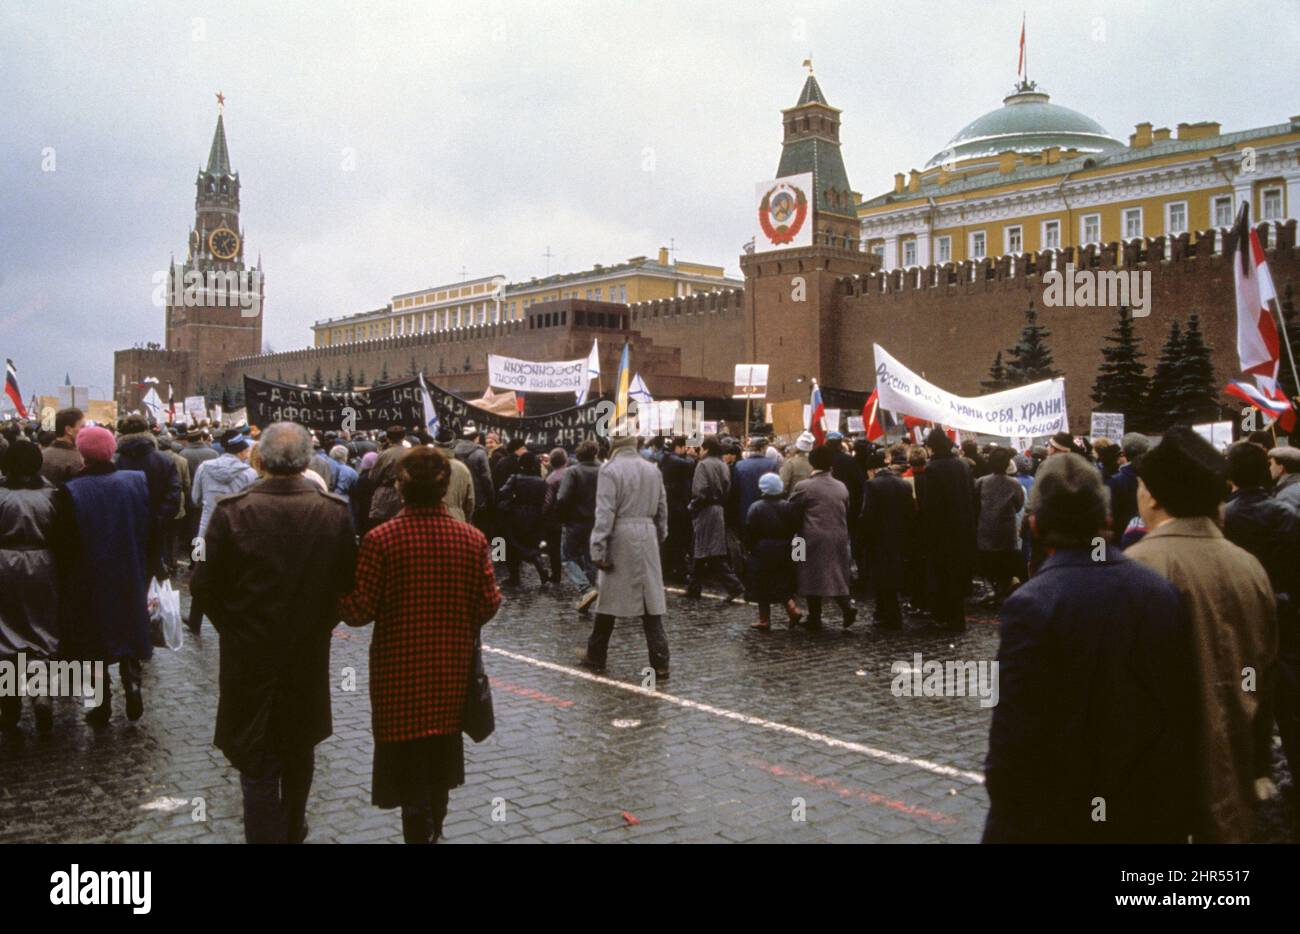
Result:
x=426 y=580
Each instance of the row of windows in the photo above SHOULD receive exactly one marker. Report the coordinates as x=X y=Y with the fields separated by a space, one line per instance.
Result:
x=1090 y=228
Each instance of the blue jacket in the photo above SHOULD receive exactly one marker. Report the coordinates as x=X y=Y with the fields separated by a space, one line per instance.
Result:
x=745 y=485
x=1123 y=485
x=1096 y=700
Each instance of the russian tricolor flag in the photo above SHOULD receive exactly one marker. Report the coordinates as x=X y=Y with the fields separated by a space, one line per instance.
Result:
x=1268 y=397
x=817 y=414
x=11 y=388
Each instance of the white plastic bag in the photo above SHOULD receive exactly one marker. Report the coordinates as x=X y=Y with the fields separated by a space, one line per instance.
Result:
x=165 y=615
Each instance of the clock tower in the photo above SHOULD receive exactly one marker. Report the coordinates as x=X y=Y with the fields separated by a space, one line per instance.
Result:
x=214 y=299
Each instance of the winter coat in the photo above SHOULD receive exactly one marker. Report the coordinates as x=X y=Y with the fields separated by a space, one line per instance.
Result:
x=770 y=524
x=575 y=502
x=29 y=586
x=822 y=503
x=1123 y=486
x=386 y=502
x=709 y=488
x=886 y=528
x=426 y=580
x=106 y=521
x=845 y=468
x=795 y=469
x=221 y=476
x=1229 y=598
x=1270 y=530
x=520 y=504
x=998 y=498
x=945 y=496
x=474 y=457
x=631 y=522
x=678 y=472
x=183 y=473
x=1096 y=700
x=140 y=452
x=1288 y=490
x=195 y=453
x=746 y=474
x=459 y=498
x=61 y=461
x=279 y=555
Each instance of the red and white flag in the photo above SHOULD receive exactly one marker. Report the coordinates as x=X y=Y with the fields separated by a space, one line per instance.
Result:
x=817 y=415
x=1257 y=340
x=875 y=420
x=1267 y=396
x=11 y=388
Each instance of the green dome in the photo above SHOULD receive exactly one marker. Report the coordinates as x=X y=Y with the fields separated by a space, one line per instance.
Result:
x=1027 y=122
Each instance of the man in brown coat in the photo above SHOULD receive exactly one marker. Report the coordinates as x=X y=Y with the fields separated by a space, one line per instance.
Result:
x=62 y=461
x=1229 y=600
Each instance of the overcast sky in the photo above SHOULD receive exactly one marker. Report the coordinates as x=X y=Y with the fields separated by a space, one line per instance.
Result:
x=485 y=133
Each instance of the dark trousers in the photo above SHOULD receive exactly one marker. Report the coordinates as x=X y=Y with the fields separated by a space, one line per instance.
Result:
x=554 y=549
x=275 y=804
x=656 y=640
x=887 y=609
x=815 y=608
x=129 y=670
x=11 y=705
x=950 y=595
x=424 y=824
x=676 y=550
x=715 y=568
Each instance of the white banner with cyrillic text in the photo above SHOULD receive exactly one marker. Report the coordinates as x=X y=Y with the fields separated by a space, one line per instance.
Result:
x=1034 y=411
x=531 y=376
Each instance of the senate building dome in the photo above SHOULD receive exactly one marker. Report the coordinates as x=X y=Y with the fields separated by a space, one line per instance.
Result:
x=1027 y=122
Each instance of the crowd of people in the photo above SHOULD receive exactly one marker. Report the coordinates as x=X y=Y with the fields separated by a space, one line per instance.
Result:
x=1148 y=629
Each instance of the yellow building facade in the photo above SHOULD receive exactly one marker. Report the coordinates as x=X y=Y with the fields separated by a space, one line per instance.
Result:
x=492 y=299
x=1033 y=176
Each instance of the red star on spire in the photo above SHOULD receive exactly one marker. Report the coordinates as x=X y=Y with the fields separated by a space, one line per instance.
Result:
x=221 y=101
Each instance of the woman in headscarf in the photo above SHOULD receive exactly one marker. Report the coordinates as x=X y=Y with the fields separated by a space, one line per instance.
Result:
x=426 y=580
x=769 y=526
x=363 y=491
x=29 y=592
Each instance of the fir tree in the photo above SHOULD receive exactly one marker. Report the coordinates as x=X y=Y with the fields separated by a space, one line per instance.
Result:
x=1159 y=409
x=361 y=379
x=1195 y=392
x=1121 y=384
x=349 y=382
x=383 y=374
x=338 y=380
x=1286 y=373
x=317 y=380
x=997 y=375
x=1031 y=358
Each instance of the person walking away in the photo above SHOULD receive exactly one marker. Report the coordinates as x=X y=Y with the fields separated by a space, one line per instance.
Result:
x=61 y=460
x=678 y=470
x=103 y=597
x=1229 y=598
x=631 y=522
x=425 y=578
x=345 y=478
x=575 y=510
x=945 y=494
x=709 y=488
x=887 y=530
x=459 y=498
x=796 y=466
x=998 y=500
x=280 y=553
x=29 y=585
x=1096 y=692
x=822 y=504
x=224 y=475
x=384 y=502
x=552 y=531
x=138 y=450
x=363 y=492
x=521 y=501
x=770 y=525
x=472 y=455
x=747 y=472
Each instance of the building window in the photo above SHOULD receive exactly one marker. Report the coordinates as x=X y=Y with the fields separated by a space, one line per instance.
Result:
x=1015 y=239
x=1090 y=229
x=909 y=252
x=978 y=245
x=1176 y=218
x=943 y=250
x=879 y=251
x=1051 y=235
x=1222 y=207
x=1270 y=204
x=1132 y=223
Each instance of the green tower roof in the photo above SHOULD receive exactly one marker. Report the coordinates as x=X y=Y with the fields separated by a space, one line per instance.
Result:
x=218 y=155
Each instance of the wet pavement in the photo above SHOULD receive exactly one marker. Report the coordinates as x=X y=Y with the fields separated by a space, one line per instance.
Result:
x=781 y=737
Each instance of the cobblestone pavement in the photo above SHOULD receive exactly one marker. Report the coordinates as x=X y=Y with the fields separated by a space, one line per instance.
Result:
x=784 y=737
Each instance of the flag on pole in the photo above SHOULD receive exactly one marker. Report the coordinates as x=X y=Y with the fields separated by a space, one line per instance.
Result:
x=1267 y=396
x=593 y=371
x=153 y=406
x=171 y=405
x=1020 y=65
x=11 y=388
x=1257 y=340
x=875 y=420
x=639 y=391
x=519 y=402
x=624 y=384
x=431 y=423
x=817 y=415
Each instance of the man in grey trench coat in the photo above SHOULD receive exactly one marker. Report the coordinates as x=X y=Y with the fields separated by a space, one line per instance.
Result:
x=631 y=522
x=709 y=491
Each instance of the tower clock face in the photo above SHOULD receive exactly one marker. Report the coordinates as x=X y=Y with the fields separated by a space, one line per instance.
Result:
x=224 y=243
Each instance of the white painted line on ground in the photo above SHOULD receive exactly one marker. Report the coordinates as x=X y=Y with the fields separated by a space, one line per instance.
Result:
x=883 y=755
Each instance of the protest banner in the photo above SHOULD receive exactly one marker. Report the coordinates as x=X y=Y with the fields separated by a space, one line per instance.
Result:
x=528 y=376
x=1035 y=410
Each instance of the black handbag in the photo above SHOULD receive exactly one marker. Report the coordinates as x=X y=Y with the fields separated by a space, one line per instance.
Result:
x=479 y=721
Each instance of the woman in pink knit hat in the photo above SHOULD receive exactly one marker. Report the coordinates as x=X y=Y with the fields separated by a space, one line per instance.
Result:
x=106 y=619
